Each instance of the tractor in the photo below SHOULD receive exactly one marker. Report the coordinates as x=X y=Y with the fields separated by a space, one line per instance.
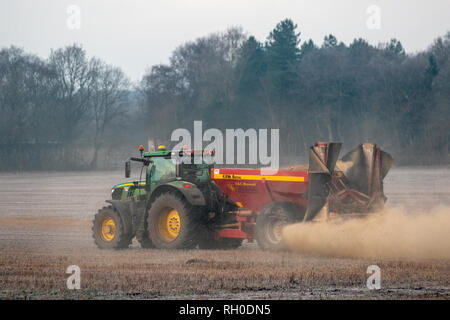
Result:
x=174 y=207
x=182 y=205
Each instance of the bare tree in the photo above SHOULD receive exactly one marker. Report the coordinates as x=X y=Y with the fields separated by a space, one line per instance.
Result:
x=109 y=99
x=75 y=76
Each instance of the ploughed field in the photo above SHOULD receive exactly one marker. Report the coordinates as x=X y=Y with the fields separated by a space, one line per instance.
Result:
x=45 y=226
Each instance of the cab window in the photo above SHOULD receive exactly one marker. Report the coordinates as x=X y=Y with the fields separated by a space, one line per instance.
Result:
x=162 y=169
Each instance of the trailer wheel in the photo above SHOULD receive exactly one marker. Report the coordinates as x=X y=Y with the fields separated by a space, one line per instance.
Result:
x=271 y=221
x=108 y=230
x=173 y=223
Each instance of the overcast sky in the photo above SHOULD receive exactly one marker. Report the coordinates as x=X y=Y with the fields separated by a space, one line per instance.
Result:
x=135 y=34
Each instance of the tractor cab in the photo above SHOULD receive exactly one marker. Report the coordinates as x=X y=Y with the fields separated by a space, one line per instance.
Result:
x=161 y=166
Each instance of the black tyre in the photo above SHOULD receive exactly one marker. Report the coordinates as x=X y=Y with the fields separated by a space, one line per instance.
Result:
x=173 y=223
x=271 y=221
x=108 y=230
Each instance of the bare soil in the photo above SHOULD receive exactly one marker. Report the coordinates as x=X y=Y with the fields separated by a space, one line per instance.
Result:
x=45 y=226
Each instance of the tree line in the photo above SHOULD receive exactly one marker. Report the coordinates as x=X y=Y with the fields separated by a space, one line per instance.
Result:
x=331 y=92
x=57 y=113
x=69 y=111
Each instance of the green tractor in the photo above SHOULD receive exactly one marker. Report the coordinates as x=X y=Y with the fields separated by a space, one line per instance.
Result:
x=169 y=209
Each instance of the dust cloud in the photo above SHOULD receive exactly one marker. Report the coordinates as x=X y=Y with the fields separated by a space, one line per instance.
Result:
x=393 y=233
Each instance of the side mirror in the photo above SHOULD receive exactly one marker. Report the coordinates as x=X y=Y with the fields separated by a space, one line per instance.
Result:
x=127 y=168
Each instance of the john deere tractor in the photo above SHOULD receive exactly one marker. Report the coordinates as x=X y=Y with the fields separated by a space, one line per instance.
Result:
x=169 y=209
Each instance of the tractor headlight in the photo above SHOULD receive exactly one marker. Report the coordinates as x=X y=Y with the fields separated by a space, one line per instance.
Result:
x=116 y=194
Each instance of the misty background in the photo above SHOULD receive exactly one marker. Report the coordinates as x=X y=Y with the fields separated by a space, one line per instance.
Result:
x=83 y=83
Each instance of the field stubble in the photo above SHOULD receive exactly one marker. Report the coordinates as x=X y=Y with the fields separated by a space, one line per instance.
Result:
x=45 y=222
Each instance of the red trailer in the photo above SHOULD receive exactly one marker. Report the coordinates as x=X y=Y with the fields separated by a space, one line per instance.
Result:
x=325 y=189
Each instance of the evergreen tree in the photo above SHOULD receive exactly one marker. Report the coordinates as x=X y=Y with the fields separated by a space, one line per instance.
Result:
x=283 y=55
x=329 y=41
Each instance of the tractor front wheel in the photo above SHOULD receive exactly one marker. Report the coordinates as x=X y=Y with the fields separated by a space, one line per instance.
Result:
x=108 y=230
x=172 y=222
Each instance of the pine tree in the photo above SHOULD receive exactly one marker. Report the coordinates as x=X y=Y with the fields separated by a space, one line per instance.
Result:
x=283 y=54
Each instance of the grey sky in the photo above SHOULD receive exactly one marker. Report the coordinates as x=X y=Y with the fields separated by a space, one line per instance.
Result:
x=135 y=34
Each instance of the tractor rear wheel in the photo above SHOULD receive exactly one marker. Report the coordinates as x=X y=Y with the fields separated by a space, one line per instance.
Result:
x=270 y=223
x=108 y=230
x=172 y=222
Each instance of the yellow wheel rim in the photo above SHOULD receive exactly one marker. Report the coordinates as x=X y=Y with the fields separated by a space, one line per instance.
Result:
x=169 y=224
x=108 y=229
